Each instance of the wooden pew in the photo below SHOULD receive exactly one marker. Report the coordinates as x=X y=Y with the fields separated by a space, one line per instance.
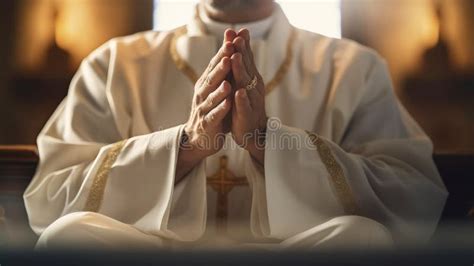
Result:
x=17 y=167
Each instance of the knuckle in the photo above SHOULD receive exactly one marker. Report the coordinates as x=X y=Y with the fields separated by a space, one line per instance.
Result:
x=211 y=117
x=205 y=122
x=214 y=61
x=221 y=107
x=199 y=97
x=198 y=83
x=210 y=102
x=200 y=111
x=209 y=80
x=210 y=66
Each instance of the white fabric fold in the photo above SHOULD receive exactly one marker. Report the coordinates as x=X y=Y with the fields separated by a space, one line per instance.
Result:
x=133 y=183
x=131 y=90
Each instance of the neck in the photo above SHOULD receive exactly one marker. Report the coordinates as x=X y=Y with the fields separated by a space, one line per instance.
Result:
x=244 y=13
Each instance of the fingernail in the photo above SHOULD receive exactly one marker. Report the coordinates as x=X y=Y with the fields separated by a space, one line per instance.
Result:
x=225 y=83
x=229 y=31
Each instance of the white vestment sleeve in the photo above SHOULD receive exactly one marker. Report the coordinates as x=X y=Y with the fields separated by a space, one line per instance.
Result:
x=382 y=168
x=259 y=211
x=89 y=162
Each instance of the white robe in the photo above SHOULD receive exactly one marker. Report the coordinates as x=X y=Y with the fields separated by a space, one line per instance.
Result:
x=111 y=146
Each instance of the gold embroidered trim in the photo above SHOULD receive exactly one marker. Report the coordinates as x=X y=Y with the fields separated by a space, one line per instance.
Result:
x=341 y=187
x=283 y=69
x=96 y=194
x=180 y=63
x=184 y=67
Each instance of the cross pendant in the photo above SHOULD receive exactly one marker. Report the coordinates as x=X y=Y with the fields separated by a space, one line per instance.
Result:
x=223 y=181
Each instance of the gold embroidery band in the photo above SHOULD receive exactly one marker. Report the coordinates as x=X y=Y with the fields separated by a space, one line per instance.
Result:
x=180 y=63
x=96 y=194
x=187 y=70
x=341 y=187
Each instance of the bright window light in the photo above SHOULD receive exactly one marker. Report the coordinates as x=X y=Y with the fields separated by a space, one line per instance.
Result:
x=321 y=16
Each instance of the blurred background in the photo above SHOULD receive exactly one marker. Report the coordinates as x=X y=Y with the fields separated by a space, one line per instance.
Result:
x=428 y=45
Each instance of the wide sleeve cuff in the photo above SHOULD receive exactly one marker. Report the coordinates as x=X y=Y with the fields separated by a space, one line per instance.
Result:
x=132 y=180
x=301 y=180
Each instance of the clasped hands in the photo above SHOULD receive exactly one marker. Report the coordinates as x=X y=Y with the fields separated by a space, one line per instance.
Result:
x=225 y=100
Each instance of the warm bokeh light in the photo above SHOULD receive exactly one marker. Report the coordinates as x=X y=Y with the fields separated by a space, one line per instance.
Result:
x=81 y=26
x=458 y=31
x=68 y=24
x=321 y=16
x=408 y=29
x=34 y=32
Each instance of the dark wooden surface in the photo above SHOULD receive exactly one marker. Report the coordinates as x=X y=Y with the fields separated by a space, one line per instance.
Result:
x=457 y=171
x=17 y=167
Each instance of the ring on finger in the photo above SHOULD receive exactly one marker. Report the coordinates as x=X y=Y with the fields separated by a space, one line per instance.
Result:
x=252 y=84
